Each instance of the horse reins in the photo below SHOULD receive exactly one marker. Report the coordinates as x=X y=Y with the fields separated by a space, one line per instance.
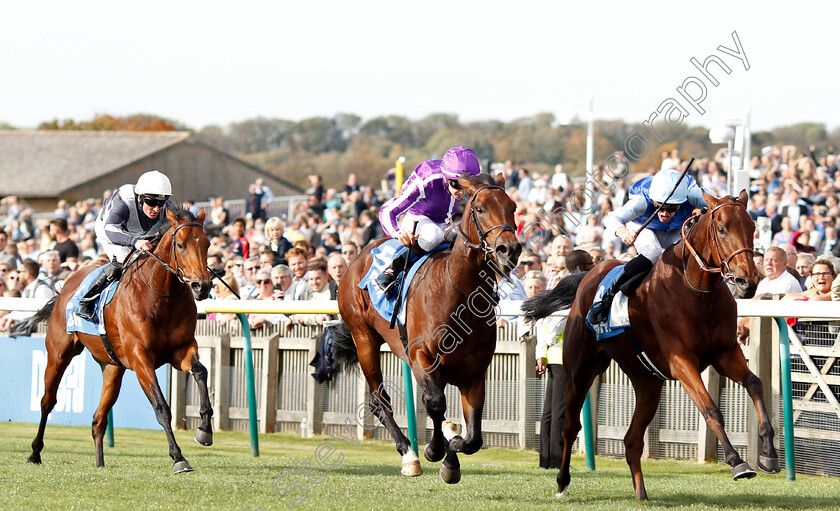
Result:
x=723 y=267
x=177 y=271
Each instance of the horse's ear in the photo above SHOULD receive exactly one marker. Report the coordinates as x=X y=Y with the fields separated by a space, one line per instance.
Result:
x=173 y=218
x=743 y=198
x=468 y=185
x=500 y=179
x=200 y=216
x=711 y=200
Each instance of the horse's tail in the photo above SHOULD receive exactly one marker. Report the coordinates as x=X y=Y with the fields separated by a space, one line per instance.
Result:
x=561 y=297
x=344 y=349
x=45 y=312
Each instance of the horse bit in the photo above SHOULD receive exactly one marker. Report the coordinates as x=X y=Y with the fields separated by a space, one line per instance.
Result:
x=723 y=269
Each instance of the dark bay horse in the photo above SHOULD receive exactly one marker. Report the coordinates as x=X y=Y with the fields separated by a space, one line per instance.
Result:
x=684 y=318
x=150 y=321
x=450 y=325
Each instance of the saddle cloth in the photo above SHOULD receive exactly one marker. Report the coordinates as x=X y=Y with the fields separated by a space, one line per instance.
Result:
x=77 y=324
x=619 y=317
x=381 y=257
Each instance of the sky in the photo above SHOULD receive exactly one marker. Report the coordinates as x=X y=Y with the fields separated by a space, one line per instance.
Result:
x=213 y=63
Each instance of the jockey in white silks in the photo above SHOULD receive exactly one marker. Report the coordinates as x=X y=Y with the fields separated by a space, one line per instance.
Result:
x=127 y=218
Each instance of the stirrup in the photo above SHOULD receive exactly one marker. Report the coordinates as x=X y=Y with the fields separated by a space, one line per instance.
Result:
x=386 y=279
x=599 y=312
x=88 y=312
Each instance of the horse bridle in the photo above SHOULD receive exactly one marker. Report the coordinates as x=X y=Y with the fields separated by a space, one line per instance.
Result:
x=482 y=244
x=177 y=271
x=723 y=268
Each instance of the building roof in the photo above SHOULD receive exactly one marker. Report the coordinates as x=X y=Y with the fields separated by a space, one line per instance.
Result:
x=46 y=163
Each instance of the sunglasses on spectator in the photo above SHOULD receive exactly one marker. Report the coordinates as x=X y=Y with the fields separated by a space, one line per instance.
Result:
x=264 y=281
x=252 y=268
x=668 y=208
x=821 y=274
x=526 y=263
x=154 y=203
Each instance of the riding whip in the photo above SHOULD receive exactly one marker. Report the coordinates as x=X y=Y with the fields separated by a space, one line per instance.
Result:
x=402 y=282
x=220 y=279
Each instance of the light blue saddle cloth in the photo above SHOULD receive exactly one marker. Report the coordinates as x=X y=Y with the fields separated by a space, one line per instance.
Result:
x=77 y=324
x=382 y=257
x=618 y=319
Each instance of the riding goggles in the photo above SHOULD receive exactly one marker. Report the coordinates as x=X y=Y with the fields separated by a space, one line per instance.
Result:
x=668 y=208
x=154 y=202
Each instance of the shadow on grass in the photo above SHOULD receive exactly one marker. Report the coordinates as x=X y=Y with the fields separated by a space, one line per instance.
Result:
x=746 y=500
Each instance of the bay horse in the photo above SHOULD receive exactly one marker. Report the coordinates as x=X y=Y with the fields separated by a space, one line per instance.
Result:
x=450 y=324
x=150 y=321
x=684 y=319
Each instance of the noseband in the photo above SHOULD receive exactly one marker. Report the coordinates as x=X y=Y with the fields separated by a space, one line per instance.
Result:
x=723 y=268
x=483 y=246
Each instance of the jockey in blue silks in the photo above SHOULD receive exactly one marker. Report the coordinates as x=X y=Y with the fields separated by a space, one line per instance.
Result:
x=429 y=198
x=646 y=195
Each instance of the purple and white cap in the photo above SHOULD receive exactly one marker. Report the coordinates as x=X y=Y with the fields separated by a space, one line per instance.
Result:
x=459 y=160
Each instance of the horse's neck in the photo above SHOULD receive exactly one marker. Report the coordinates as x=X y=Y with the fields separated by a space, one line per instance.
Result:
x=155 y=274
x=467 y=268
x=689 y=267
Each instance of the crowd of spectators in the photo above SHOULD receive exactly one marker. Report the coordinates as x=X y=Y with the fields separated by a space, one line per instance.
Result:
x=793 y=198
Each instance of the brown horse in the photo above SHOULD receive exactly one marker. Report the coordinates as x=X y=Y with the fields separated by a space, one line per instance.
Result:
x=450 y=321
x=684 y=319
x=150 y=321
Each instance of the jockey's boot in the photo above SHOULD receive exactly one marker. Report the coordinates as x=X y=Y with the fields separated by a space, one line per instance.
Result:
x=634 y=273
x=388 y=278
x=87 y=305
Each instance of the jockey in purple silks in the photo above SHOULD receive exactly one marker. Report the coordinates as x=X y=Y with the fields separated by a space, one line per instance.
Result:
x=429 y=198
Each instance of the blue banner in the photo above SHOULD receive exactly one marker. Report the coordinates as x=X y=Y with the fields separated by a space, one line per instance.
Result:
x=22 y=374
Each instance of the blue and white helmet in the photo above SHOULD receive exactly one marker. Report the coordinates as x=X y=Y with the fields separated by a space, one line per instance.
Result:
x=663 y=182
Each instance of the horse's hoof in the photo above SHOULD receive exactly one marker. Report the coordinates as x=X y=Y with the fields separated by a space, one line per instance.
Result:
x=182 y=466
x=203 y=437
x=430 y=455
x=768 y=464
x=450 y=475
x=562 y=494
x=450 y=430
x=411 y=465
x=34 y=459
x=743 y=471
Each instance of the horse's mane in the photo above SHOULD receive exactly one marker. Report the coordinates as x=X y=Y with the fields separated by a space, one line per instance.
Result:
x=178 y=211
x=481 y=179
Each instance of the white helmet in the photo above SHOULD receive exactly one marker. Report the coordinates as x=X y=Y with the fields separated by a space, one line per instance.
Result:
x=154 y=184
x=663 y=182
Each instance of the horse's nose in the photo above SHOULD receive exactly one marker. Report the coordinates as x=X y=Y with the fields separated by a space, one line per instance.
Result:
x=746 y=287
x=201 y=290
x=508 y=254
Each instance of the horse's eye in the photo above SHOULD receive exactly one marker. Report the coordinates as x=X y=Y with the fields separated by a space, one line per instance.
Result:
x=720 y=229
x=479 y=209
x=180 y=246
